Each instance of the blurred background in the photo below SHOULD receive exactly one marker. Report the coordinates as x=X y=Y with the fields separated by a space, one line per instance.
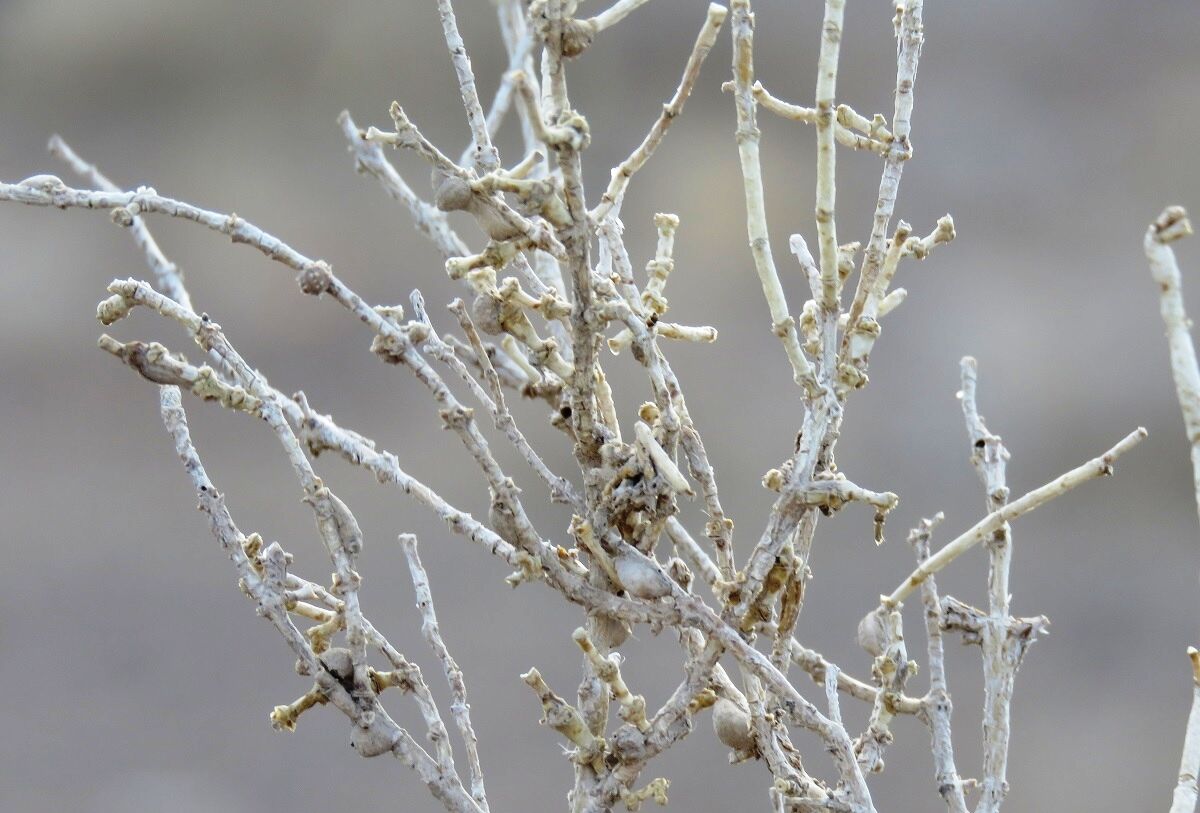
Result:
x=137 y=678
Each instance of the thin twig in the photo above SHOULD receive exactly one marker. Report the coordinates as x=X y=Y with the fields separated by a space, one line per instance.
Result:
x=827 y=70
x=615 y=194
x=782 y=322
x=615 y=13
x=1097 y=467
x=454 y=676
x=560 y=488
x=486 y=156
x=937 y=708
x=166 y=273
x=1184 y=798
x=989 y=457
x=429 y=220
x=374 y=731
x=1172 y=225
x=911 y=35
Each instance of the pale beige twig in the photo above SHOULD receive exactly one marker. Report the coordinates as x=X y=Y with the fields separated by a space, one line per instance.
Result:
x=1097 y=467
x=124 y=206
x=374 y=730
x=911 y=35
x=1184 y=798
x=167 y=275
x=989 y=457
x=877 y=141
x=1172 y=225
x=827 y=70
x=429 y=220
x=937 y=708
x=459 y=708
x=615 y=13
x=782 y=322
x=560 y=488
x=615 y=194
x=486 y=156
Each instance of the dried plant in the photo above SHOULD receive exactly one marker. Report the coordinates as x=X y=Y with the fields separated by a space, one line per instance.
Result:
x=550 y=285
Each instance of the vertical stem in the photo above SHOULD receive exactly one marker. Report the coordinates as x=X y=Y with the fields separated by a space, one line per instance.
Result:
x=937 y=707
x=999 y=660
x=1170 y=226
x=910 y=31
x=1184 y=798
x=782 y=323
x=576 y=238
x=831 y=39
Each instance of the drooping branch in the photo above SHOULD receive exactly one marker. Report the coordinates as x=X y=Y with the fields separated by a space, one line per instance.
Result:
x=374 y=731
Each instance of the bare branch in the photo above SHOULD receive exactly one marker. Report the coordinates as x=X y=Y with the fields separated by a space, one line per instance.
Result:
x=782 y=323
x=166 y=273
x=936 y=709
x=989 y=457
x=374 y=732
x=615 y=194
x=454 y=676
x=1184 y=799
x=1172 y=225
x=486 y=157
x=911 y=35
x=1097 y=467
x=429 y=220
x=827 y=69
x=615 y=13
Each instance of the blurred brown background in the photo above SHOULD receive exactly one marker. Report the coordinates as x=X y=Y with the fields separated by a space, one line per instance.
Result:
x=134 y=675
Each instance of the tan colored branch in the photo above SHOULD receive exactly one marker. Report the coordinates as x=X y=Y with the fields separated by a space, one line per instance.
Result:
x=782 y=322
x=612 y=198
x=1184 y=799
x=1097 y=467
x=1172 y=225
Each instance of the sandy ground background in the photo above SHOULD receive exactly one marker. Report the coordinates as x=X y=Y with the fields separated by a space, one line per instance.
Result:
x=136 y=678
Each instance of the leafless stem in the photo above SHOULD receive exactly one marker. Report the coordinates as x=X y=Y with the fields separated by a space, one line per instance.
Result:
x=1097 y=467
x=1184 y=800
x=613 y=196
x=999 y=667
x=454 y=676
x=827 y=69
x=911 y=35
x=937 y=708
x=782 y=323
x=369 y=158
x=486 y=157
x=1172 y=225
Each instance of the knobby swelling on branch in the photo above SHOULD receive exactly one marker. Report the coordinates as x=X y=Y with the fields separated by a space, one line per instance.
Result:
x=549 y=282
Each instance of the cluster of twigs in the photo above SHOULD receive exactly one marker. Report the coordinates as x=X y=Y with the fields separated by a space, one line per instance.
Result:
x=552 y=285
